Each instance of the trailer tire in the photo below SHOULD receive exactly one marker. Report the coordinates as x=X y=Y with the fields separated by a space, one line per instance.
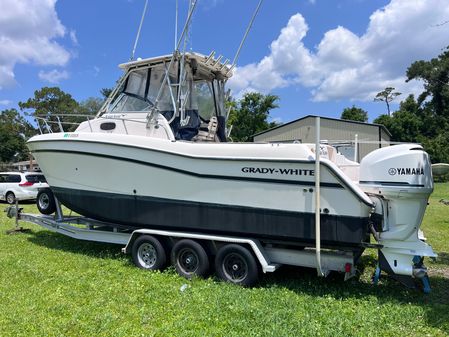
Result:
x=190 y=259
x=148 y=253
x=236 y=264
x=45 y=202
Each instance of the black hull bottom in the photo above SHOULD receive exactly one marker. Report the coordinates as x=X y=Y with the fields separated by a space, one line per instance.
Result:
x=180 y=215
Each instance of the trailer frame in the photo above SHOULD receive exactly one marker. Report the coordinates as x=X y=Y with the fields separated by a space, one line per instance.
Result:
x=269 y=257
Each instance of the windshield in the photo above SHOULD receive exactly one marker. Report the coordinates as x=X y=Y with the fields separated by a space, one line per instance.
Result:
x=141 y=89
x=130 y=103
x=197 y=91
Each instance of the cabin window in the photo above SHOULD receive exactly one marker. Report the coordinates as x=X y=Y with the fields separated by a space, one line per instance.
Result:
x=205 y=99
x=219 y=92
x=132 y=97
x=136 y=83
x=157 y=79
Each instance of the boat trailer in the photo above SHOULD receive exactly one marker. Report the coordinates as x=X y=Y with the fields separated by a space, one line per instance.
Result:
x=267 y=257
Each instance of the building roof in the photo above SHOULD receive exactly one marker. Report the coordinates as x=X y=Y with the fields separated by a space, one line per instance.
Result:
x=329 y=118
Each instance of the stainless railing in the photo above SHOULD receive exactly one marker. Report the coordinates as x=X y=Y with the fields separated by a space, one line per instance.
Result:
x=44 y=123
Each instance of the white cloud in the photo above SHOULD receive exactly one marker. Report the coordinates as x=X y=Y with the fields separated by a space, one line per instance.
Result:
x=53 y=76
x=345 y=65
x=28 y=30
x=73 y=37
x=5 y=102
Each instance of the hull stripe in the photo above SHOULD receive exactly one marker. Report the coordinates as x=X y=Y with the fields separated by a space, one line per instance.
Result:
x=342 y=183
x=199 y=175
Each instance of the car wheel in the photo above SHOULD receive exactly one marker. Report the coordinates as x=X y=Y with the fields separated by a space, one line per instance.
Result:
x=148 y=253
x=45 y=202
x=190 y=259
x=10 y=198
x=236 y=264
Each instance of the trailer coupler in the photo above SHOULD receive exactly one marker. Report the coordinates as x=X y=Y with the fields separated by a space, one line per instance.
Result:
x=13 y=211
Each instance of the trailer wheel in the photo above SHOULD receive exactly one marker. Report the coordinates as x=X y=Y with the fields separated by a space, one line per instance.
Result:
x=190 y=259
x=237 y=265
x=45 y=202
x=148 y=253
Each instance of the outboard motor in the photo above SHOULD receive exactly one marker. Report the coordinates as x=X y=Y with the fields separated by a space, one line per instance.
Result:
x=399 y=181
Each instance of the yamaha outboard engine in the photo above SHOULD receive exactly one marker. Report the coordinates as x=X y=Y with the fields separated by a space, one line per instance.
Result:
x=399 y=181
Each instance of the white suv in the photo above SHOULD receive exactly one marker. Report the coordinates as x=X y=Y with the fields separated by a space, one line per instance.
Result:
x=23 y=186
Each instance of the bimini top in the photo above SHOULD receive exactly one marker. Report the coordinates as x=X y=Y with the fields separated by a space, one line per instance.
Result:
x=208 y=63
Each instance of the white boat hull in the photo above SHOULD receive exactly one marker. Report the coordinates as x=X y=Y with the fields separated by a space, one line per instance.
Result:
x=152 y=183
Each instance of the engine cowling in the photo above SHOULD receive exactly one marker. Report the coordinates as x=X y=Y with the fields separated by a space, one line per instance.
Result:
x=399 y=181
x=404 y=165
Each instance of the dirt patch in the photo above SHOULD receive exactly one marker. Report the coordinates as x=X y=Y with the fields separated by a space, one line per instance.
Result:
x=439 y=271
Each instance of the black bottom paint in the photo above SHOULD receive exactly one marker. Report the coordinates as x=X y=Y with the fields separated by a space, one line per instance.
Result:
x=158 y=213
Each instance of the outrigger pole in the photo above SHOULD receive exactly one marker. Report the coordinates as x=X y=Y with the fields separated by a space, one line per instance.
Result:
x=138 y=31
x=122 y=78
x=244 y=36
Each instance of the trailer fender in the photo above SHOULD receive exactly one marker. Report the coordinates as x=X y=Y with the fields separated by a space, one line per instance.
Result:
x=254 y=245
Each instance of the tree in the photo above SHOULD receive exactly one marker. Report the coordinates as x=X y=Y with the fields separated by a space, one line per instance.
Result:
x=105 y=92
x=426 y=119
x=90 y=106
x=355 y=114
x=250 y=115
x=405 y=124
x=14 y=130
x=435 y=75
x=387 y=95
x=49 y=102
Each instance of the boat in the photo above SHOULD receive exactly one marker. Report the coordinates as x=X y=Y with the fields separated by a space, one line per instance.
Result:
x=156 y=156
x=440 y=169
x=142 y=168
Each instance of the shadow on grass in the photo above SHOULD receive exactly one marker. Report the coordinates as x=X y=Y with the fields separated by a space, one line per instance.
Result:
x=22 y=202
x=302 y=280
x=306 y=281
x=443 y=258
x=60 y=242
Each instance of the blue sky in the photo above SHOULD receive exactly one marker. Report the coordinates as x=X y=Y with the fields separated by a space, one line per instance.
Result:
x=318 y=56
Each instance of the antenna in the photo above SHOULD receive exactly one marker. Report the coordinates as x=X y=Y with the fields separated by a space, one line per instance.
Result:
x=246 y=34
x=138 y=31
x=186 y=25
x=188 y=36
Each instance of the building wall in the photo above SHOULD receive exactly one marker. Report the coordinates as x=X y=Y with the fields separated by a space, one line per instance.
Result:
x=303 y=130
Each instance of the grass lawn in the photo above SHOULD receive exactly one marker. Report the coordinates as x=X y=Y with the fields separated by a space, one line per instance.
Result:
x=51 y=285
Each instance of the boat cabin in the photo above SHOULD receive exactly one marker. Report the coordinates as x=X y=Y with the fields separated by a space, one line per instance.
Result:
x=184 y=91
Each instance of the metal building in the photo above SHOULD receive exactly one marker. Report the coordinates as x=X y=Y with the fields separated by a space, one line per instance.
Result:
x=338 y=132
